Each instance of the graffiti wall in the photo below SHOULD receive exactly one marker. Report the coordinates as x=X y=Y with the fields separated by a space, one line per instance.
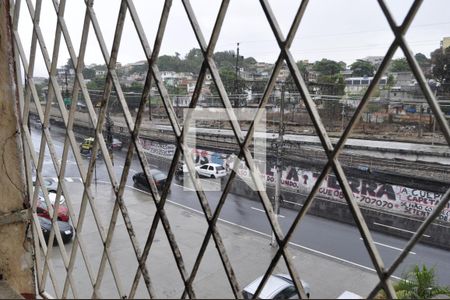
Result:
x=377 y=195
x=159 y=149
x=200 y=156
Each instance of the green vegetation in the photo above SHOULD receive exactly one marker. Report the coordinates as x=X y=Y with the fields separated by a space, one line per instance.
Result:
x=399 y=65
x=441 y=69
x=193 y=60
x=328 y=67
x=362 y=68
x=418 y=283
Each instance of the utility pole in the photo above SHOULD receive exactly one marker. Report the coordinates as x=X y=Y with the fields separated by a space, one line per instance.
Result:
x=66 y=93
x=434 y=119
x=150 y=107
x=109 y=135
x=420 y=121
x=279 y=164
x=236 y=78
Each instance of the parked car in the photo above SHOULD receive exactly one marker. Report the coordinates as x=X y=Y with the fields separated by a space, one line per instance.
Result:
x=279 y=286
x=42 y=208
x=116 y=144
x=65 y=229
x=211 y=170
x=159 y=177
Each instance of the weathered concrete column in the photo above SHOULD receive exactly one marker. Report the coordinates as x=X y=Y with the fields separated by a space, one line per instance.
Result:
x=15 y=249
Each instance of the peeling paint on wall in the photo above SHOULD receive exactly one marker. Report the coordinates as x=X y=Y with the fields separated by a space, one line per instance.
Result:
x=15 y=250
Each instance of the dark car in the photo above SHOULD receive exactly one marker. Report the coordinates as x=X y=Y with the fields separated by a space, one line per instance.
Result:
x=158 y=176
x=65 y=229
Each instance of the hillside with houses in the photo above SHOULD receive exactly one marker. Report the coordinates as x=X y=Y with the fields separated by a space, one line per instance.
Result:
x=331 y=83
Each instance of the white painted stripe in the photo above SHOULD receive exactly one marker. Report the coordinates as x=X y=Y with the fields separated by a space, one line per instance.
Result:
x=295 y=203
x=262 y=210
x=399 y=229
x=211 y=181
x=68 y=179
x=390 y=247
x=182 y=186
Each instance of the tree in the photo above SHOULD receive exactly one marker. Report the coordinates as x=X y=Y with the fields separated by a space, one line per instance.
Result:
x=331 y=84
x=422 y=59
x=303 y=71
x=420 y=283
x=170 y=63
x=228 y=76
x=88 y=73
x=225 y=59
x=69 y=64
x=399 y=65
x=441 y=68
x=327 y=67
x=193 y=60
x=97 y=83
x=249 y=62
x=362 y=68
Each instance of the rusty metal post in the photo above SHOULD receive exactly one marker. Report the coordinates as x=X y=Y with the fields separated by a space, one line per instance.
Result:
x=16 y=264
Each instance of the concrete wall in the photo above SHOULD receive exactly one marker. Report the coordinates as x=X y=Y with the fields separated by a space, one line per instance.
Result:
x=15 y=251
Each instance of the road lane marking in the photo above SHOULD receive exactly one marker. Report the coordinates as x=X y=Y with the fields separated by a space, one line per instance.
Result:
x=391 y=247
x=182 y=186
x=262 y=210
x=400 y=229
x=295 y=203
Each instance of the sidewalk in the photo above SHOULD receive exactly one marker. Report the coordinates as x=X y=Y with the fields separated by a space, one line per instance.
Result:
x=249 y=254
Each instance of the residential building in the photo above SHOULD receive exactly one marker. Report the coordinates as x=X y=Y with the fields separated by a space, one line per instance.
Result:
x=404 y=79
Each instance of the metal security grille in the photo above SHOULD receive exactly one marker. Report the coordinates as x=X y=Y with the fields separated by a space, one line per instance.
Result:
x=67 y=286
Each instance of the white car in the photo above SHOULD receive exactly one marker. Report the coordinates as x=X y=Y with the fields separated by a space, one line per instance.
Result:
x=211 y=170
x=279 y=286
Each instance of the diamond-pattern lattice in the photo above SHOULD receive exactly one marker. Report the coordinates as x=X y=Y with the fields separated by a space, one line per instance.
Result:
x=28 y=96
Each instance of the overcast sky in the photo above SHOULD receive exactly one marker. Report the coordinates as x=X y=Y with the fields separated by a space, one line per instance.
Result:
x=341 y=30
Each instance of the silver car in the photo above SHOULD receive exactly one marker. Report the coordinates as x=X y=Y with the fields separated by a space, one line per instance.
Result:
x=279 y=286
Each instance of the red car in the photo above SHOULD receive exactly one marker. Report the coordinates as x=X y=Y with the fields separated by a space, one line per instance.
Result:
x=42 y=210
